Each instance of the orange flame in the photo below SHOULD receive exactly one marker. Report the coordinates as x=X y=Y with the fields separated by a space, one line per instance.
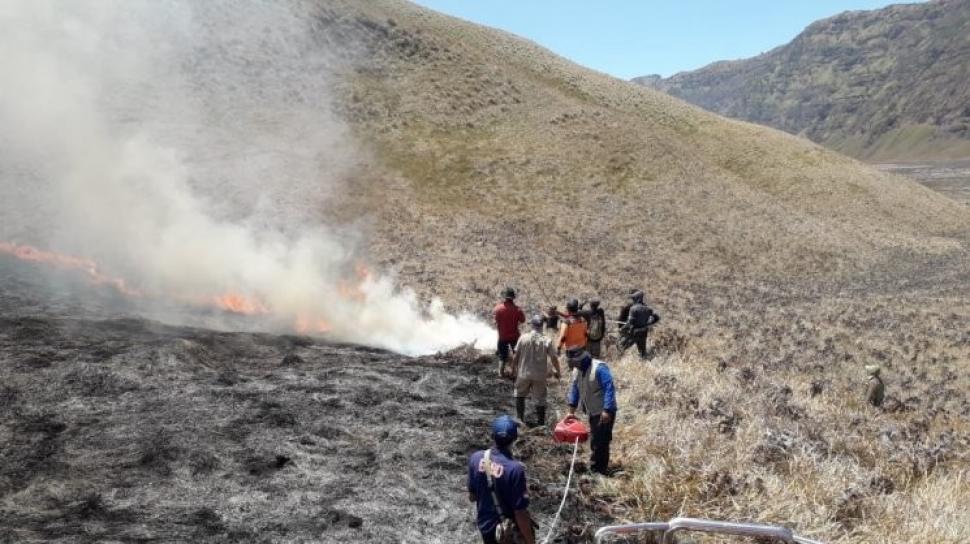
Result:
x=229 y=301
x=307 y=325
x=236 y=303
x=354 y=291
x=68 y=262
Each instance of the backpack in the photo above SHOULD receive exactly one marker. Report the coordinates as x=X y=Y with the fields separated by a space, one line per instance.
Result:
x=596 y=326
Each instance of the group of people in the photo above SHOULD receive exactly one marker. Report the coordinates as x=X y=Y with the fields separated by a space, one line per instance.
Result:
x=496 y=481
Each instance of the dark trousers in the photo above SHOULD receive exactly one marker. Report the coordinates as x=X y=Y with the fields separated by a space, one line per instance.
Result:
x=640 y=339
x=599 y=443
x=505 y=348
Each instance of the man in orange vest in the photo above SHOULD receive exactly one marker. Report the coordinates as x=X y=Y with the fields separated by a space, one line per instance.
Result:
x=572 y=329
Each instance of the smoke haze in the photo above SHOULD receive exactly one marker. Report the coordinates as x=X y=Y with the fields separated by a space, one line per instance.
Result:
x=189 y=147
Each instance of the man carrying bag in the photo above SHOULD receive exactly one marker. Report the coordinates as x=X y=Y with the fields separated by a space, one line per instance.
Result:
x=497 y=483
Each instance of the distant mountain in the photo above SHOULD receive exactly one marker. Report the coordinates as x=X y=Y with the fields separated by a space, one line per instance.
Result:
x=889 y=83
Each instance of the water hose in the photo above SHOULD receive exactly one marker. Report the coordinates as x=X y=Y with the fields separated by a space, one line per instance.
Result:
x=569 y=479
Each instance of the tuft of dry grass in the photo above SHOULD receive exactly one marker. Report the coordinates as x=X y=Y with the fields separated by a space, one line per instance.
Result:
x=753 y=441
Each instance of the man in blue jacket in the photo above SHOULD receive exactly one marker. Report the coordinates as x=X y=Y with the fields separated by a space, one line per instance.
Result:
x=494 y=476
x=592 y=388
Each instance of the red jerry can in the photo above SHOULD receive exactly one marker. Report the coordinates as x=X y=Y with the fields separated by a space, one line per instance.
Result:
x=570 y=429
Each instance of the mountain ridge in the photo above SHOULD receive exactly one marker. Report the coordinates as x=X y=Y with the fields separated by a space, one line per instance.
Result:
x=881 y=84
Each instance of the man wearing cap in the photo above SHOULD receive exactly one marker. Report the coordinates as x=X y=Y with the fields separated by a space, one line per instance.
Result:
x=508 y=316
x=530 y=369
x=592 y=388
x=875 y=389
x=497 y=483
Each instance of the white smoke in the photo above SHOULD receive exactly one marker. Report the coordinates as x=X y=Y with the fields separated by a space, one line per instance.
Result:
x=189 y=147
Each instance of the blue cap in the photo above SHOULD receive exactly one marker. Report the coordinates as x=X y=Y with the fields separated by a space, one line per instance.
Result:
x=504 y=430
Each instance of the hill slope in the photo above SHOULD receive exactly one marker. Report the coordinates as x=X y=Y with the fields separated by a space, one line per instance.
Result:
x=476 y=160
x=495 y=161
x=888 y=83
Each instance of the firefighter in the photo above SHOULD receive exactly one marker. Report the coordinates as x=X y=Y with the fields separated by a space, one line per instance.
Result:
x=530 y=369
x=625 y=310
x=638 y=323
x=497 y=484
x=508 y=317
x=551 y=319
x=592 y=389
x=572 y=329
x=595 y=327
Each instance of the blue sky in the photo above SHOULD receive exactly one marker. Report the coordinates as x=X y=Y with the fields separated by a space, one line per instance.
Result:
x=628 y=38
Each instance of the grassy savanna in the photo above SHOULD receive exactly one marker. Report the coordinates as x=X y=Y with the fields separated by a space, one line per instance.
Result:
x=771 y=424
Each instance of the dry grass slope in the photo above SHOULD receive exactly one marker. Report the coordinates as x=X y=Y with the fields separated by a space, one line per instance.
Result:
x=778 y=264
x=770 y=424
x=473 y=129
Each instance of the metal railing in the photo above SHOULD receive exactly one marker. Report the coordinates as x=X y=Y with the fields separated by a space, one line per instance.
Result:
x=674 y=526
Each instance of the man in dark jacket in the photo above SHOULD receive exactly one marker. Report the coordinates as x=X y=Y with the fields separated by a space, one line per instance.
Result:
x=625 y=310
x=494 y=475
x=639 y=321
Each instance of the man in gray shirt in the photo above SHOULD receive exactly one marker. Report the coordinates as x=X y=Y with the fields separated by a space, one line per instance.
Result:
x=533 y=352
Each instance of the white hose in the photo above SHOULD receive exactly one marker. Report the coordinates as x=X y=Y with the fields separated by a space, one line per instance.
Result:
x=565 y=494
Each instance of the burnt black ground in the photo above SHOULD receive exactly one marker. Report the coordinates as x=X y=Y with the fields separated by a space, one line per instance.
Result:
x=127 y=430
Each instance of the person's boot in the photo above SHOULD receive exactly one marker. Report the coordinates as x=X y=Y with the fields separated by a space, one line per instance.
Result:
x=541 y=415
x=520 y=408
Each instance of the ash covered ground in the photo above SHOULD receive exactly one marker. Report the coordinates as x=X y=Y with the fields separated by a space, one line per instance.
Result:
x=128 y=430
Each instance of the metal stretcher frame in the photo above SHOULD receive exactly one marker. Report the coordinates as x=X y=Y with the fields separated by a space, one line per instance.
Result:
x=672 y=527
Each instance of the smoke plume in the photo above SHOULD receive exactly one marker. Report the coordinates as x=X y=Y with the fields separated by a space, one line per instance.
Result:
x=189 y=147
